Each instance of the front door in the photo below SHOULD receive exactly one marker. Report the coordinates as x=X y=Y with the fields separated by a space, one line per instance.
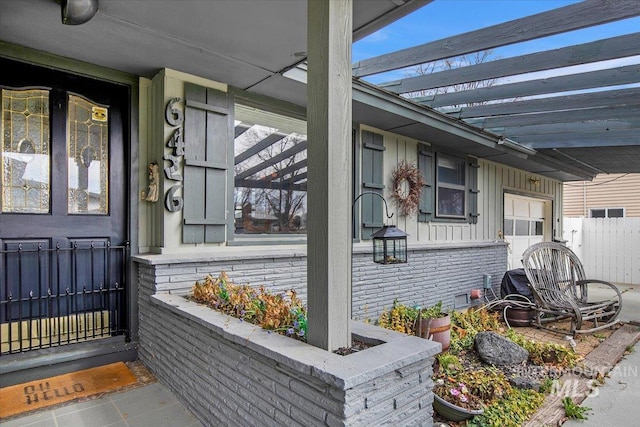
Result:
x=63 y=234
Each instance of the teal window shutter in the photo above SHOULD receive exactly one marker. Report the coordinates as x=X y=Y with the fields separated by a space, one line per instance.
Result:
x=473 y=190
x=208 y=161
x=372 y=181
x=425 y=166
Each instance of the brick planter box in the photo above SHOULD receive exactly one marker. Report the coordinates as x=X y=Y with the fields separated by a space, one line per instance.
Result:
x=229 y=372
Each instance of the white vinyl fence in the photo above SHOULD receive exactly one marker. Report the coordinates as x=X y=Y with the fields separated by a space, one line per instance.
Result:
x=609 y=248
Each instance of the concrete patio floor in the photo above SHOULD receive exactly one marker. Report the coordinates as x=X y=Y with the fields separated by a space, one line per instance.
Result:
x=153 y=404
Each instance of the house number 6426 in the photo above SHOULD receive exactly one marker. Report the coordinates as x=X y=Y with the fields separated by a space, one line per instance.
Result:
x=174 y=117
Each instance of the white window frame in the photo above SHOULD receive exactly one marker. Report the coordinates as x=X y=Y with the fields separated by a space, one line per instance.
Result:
x=606 y=212
x=464 y=188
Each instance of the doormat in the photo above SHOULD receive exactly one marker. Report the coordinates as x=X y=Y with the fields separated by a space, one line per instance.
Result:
x=26 y=397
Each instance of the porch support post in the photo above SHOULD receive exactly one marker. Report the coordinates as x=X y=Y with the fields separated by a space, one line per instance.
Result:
x=329 y=38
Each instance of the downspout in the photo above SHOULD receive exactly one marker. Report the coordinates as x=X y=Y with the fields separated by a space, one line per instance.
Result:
x=584 y=198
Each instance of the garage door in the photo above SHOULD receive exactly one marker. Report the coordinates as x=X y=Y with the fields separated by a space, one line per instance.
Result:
x=524 y=225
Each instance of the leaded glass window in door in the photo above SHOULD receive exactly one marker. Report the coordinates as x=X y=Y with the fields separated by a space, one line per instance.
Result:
x=25 y=155
x=88 y=158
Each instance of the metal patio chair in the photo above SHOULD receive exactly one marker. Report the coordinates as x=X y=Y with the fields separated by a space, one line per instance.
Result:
x=560 y=289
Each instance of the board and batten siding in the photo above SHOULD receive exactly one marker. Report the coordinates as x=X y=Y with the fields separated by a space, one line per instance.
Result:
x=494 y=180
x=605 y=191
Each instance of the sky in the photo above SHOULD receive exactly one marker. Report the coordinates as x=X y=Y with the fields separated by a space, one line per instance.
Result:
x=444 y=18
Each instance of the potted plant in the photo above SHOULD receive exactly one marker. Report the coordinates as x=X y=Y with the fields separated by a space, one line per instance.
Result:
x=433 y=323
x=460 y=395
x=453 y=401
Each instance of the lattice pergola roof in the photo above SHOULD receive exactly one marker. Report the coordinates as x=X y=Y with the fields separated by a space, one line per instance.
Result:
x=588 y=120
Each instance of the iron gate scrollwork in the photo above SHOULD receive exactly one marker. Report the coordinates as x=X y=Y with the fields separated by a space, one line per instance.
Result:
x=55 y=294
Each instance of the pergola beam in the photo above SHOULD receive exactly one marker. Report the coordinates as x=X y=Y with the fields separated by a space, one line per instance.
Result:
x=601 y=50
x=573 y=17
x=557 y=103
x=256 y=148
x=569 y=127
x=271 y=185
x=575 y=140
x=591 y=79
x=605 y=113
x=273 y=160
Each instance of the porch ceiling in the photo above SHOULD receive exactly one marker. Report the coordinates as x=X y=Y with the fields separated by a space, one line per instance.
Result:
x=242 y=43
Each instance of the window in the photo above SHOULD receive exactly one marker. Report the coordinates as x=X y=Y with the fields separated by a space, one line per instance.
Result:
x=451 y=187
x=87 y=156
x=606 y=213
x=450 y=192
x=24 y=154
x=270 y=152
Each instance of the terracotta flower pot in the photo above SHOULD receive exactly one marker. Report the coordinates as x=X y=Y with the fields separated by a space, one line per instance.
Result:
x=453 y=412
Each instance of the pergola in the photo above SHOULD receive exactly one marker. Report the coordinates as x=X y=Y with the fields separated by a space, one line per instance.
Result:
x=585 y=120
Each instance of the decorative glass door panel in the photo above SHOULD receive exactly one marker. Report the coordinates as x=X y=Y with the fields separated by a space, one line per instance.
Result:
x=25 y=151
x=88 y=156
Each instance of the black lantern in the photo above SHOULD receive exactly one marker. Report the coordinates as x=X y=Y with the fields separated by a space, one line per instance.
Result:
x=389 y=245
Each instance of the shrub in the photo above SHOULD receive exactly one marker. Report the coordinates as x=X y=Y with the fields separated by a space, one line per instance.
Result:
x=465 y=326
x=283 y=312
x=541 y=352
x=512 y=411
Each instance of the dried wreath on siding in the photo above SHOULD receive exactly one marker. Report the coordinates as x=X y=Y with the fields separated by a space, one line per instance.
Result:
x=407 y=187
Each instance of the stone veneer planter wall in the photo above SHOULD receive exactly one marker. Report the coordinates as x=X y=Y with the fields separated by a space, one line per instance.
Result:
x=229 y=372
x=435 y=272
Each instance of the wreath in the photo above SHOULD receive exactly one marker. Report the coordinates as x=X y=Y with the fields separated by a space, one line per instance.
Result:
x=407 y=200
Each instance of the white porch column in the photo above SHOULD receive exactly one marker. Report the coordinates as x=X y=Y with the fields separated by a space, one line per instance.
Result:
x=329 y=38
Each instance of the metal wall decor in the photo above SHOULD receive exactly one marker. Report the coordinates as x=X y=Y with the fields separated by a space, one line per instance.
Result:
x=174 y=117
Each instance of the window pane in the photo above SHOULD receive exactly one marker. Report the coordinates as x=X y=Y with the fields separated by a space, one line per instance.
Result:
x=450 y=202
x=88 y=157
x=522 y=227
x=615 y=213
x=270 y=173
x=451 y=170
x=598 y=213
x=508 y=227
x=536 y=228
x=25 y=155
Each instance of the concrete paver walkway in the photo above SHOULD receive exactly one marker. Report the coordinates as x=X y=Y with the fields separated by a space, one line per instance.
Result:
x=616 y=403
x=152 y=405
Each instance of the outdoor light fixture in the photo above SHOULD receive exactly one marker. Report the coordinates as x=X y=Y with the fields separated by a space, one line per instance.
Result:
x=76 y=12
x=389 y=242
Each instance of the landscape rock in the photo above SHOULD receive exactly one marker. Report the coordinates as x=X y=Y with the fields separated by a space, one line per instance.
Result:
x=494 y=349
x=525 y=383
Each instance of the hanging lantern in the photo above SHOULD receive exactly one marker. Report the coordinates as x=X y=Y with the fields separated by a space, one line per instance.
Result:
x=389 y=245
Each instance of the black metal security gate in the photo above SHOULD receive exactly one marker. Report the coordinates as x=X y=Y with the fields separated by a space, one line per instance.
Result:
x=61 y=295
